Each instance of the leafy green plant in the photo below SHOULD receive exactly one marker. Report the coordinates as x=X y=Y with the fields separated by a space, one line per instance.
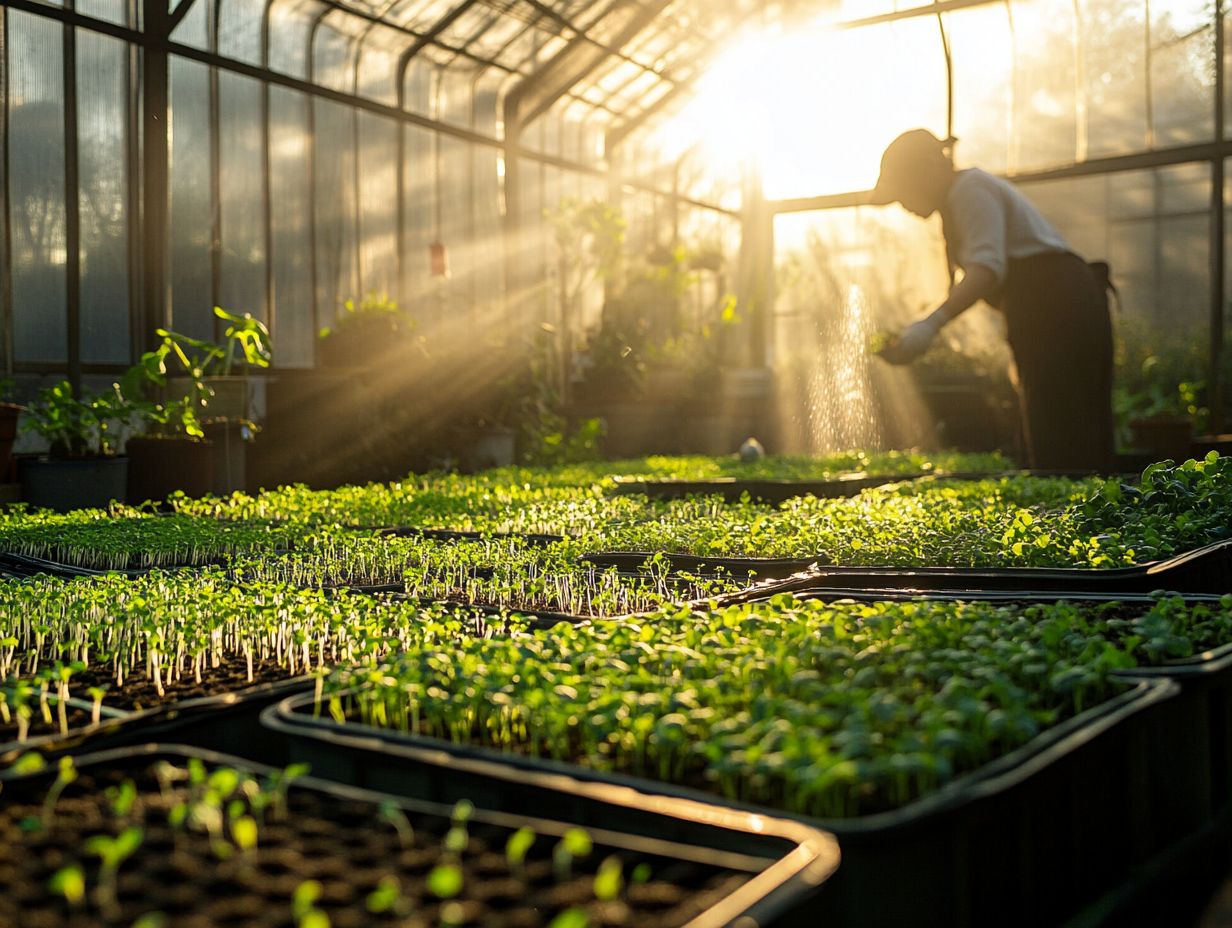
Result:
x=375 y=313
x=78 y=426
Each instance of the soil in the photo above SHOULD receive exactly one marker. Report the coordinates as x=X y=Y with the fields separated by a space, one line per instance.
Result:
x=138 y=692
x=343 y=844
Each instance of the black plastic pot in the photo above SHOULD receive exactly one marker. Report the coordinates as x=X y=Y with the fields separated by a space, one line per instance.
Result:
x=226 y=722
x=1025 y=840
x=158 y=467
x=1207 y=569
x=795 y=862
x=64 y=485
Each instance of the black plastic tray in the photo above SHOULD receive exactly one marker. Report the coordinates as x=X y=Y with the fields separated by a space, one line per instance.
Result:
x=1207 y=569
x=761 y=567
x=788 y=861
x=732 y=489
x=1025 y=840
x=443 y=534
x=227 y=722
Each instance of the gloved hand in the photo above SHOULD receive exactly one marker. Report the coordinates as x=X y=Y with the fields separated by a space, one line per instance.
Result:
x=912 y=342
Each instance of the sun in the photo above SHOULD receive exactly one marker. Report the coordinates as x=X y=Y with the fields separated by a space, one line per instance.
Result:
x=813 y=108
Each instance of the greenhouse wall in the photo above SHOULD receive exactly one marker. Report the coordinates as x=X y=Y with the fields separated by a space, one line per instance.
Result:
x=315 y=154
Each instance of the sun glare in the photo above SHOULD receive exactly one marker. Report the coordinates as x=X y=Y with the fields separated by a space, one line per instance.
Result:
x=814 y=108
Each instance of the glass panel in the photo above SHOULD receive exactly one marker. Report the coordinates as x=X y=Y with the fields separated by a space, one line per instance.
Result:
x=378 y=202
x=36 y=187
x=1114 y=38
x=333 y=53
x=242 y=178
x=486 y=242
x=378 y=64
x=1046 y=102
x=529 y=290
x=102 y=158
x=487 y=42
x=456 y=197
x=454 y=96
x=419 y=218
x=290 y=24
x=113 y=11
x=191 y=210
x=294 y=331
x=983 y=85
x=422 y=14
x=418 y=91
x=1182 y=71
x=239 y=29
x=194 y=28
x=334 y=179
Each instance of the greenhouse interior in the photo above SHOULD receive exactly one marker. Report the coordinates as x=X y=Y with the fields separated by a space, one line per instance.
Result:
x=507 y=462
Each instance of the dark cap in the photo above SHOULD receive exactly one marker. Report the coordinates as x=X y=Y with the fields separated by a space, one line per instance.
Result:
x=902 y=160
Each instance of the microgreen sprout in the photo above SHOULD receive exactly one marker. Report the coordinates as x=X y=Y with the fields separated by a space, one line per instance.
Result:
x=387 y=897
x=112 y=852
x=574 y=844
x=66 y=773
x=69 y=882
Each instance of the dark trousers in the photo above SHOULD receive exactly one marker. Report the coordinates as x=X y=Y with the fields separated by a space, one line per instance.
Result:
x=1056 y=310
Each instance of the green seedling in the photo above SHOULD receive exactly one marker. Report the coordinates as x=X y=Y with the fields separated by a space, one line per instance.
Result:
x=387 y=897
x=394 y=816
x=112 y=852
x=445 y=881
x=303 y=906
x=70 y=883
x=517 y=847
x=66 y=773
x=571 y=918
x=609 y=880
x=573 y=845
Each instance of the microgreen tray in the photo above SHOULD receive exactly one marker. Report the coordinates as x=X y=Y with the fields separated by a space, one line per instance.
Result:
x=227 y=722
x=1023 y=840
x=1207 y=569
x=733 y=489
x=396 y=855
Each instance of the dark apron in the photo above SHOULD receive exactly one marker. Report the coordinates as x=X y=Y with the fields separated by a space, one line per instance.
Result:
x=1056 y=311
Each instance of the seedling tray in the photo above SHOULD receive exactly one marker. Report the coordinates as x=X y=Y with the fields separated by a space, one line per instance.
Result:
x=226 y=722
x=762 y=567
x=23 y=565
x=441 y=534
x=733 y=489
x=1024 y=840
x=1207 y=569
x=710 y=887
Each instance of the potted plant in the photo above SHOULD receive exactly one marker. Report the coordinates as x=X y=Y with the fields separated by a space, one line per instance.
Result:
x=219 y=396
x=208 y=369
x=1160 y=420
x=366 y=334
x=81 y=469
x=170 y=452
